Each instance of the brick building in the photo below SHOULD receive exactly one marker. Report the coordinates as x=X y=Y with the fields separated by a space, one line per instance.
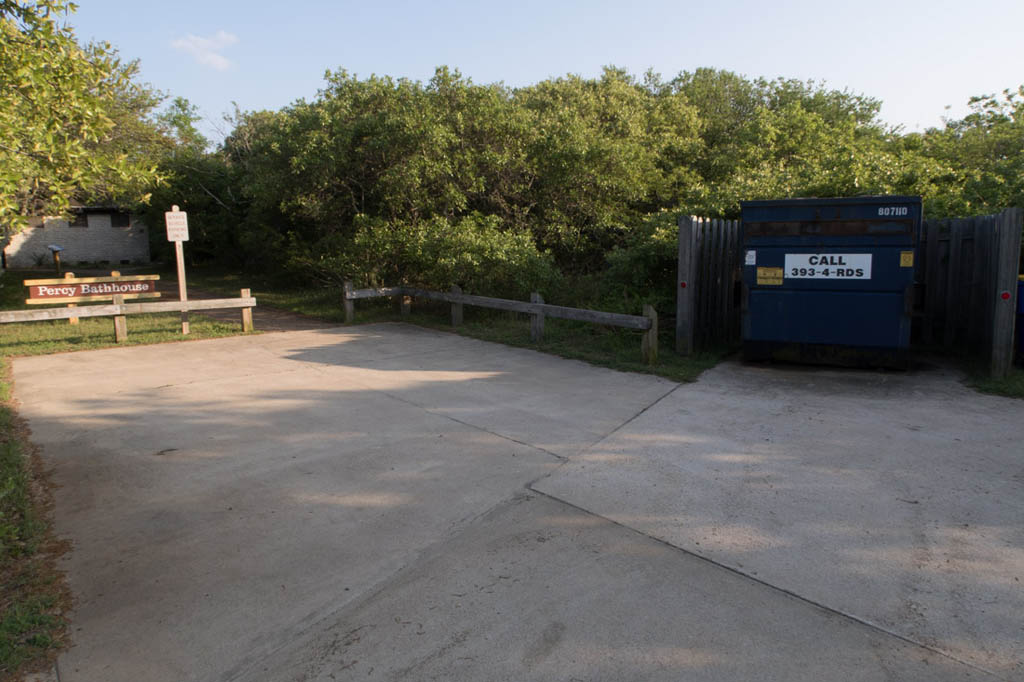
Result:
x=95 y=234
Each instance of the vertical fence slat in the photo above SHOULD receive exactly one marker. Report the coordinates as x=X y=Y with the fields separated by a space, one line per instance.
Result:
x=706 y=278
x=719 y=279
x=712 y=279
x=988 y=283
x=730 y=257
x=973 y=279
x=1007 y=267
x=954 y=277
x=705 y=282
x=685 y=286
x=702 y=265
x=699 y=285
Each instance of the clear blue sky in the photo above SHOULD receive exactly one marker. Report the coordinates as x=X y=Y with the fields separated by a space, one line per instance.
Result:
x=917 y=56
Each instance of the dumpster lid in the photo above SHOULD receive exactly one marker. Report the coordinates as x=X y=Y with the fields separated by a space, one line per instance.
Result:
x=832 y=201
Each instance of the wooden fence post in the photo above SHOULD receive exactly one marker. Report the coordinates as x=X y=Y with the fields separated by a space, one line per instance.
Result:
x=1007 y=243
x=71 y=320
x=120 y=322
x=649 y=343
x=246 y=313
x=536 y=320
x=350 y=305
x=456 y=307
x=685 y=282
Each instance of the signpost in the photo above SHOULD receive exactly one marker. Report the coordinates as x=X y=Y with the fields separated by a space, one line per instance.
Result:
x=177 y=232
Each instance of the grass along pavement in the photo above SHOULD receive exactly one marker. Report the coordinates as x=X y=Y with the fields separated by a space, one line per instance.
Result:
x=33 y=595
x=57 y=336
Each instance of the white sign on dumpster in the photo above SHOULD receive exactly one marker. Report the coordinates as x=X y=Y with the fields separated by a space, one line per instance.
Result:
x=828 y=266
x=177 y=225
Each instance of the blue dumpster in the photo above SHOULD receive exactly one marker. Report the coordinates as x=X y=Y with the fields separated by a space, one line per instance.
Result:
x=830 y=280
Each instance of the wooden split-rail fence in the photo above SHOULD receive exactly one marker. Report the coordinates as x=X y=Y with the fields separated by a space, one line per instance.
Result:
x=116 y=288
x=536 y=308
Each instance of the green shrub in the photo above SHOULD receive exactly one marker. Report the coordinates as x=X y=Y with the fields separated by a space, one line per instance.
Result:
x=473 y=252
x=644 y=271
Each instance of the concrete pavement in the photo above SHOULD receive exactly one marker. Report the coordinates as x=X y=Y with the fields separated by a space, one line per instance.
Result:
x=892 y=497
x=355 y=503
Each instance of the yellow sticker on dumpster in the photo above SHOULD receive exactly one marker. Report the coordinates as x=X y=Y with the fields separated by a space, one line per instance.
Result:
x=769 y=276
x=906 y=259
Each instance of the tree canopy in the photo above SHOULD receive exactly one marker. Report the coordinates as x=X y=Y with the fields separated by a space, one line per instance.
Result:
x=448 y=181
x=72 y=118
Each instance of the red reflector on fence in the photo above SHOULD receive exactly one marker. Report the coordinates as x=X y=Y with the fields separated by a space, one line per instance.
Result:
x=682 y=285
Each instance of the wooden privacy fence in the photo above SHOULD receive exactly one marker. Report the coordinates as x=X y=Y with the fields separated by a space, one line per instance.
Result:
x=968 y=271
x=966 y=284
x=707 y=307
x=536 y=308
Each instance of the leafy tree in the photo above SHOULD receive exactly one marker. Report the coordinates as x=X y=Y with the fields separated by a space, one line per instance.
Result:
x=982 y=156
x=599 y=152
x=202 y=183
x=376 y=179
x=71 y=118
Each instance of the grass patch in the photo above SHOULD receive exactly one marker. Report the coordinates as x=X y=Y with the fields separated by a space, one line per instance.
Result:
x=610 y=347
x=33 y=595
x=1011 y=386
x=58 y=336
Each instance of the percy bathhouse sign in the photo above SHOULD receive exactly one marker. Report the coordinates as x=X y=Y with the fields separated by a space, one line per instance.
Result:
x=73 y=289
x=87 y=289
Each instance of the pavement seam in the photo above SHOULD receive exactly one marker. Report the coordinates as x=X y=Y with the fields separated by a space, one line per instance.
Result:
x=842 y=614
x=633 y=418
x=561 y=458
x=315 y=630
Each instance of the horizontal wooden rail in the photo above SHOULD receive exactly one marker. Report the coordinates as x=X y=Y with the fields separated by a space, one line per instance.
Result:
x=372 y=293
x=86 y=299
x=647 y=323
x=108 y=310
x=579 y=314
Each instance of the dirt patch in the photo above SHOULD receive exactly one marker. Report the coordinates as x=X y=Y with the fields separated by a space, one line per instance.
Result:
x=264 y=318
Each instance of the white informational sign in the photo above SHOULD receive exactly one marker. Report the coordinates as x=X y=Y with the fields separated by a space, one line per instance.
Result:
x=177 y=226
x=827 y=266
x=751 y=258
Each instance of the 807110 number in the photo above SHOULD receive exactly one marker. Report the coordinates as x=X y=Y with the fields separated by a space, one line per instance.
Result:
x=893 y=210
